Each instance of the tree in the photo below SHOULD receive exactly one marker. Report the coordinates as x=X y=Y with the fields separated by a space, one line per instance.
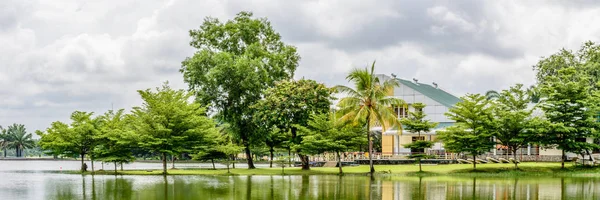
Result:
x=234 y=63
x=3 y=140
x=291 y=103
x=585 y=62
x=369 y=103
x=168 y=123
x=474 y=128
x=416 y=123
x=571 y=110
x=514 y=125
x=275 y=139
x=19 y=139
x=229 y=149
x=326 y=134
x=492 y=94
x=74 y=139
x=116 y=138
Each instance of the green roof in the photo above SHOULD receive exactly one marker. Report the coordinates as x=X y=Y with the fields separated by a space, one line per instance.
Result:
x=436 y=94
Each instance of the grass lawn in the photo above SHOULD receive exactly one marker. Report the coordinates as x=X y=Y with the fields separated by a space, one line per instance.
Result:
x=483 y=170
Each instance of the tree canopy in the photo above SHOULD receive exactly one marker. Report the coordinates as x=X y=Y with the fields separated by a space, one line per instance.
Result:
x=234 y=63
x=473 y=131
x=291 y=103
x=368 y=103
x=169 y=124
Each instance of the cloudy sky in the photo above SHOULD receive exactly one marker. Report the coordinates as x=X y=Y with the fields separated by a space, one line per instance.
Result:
x=61 y=56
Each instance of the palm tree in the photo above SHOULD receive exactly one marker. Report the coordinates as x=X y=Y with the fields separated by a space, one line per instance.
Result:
x=19 y=138
x=369 y=103
x=3 y=140
x=492 y=94
x=534 y=94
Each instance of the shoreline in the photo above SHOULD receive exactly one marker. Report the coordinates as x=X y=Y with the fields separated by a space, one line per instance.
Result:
x=531 y=169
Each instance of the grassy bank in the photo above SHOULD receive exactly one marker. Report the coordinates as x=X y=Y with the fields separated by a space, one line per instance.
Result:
x=483 y=170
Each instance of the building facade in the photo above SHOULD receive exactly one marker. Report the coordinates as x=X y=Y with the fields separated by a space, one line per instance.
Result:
x=437 y=103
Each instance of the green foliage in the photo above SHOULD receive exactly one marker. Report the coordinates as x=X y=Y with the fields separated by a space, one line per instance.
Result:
x=168 y=124
x=571 y=111
x=117 y=139
x=585 y=62
x=368 y=102
x=514 y=125
x=16 y=137
x=78 y=138
x=474 y=127
x=291 y=103
x=325 y=134
x=234 y=63
x=416 y=122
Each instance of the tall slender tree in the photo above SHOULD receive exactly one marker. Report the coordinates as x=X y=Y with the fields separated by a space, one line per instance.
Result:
x=234 y=63
x=474 y=128
x=514 y=123
x=571 y=110
x=416 y=123
x=368 y=102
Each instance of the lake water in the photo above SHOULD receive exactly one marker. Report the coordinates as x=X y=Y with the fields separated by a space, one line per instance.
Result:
x=43 y=180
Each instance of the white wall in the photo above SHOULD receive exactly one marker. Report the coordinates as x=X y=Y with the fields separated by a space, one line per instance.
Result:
x=434 y=110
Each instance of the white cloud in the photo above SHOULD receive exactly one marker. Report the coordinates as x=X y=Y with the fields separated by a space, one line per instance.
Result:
x=67 y=55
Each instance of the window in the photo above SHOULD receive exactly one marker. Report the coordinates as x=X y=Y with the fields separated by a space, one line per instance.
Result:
x=415 y=138
x=401 y=112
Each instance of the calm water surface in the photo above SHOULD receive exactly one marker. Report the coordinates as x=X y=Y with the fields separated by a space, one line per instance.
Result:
x=42 y=180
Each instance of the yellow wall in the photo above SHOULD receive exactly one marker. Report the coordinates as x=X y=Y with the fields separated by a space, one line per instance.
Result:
x=387 y=144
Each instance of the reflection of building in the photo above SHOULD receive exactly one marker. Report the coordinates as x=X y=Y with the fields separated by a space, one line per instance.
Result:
x=437 y=103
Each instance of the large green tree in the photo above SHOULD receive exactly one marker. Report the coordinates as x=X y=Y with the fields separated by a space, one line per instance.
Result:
x=18 y=138
x=78 y=138
x=416 y=123
x=291 y=103
x=234 y=63
x=585 y=62
x=514 y=125
x=368 y=103
x=116 y=139
x=571 y=110
x=169 y=124
x=474 y=128
x=327 y=134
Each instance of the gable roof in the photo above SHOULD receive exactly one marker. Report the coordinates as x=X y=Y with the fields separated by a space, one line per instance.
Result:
x=436 y=94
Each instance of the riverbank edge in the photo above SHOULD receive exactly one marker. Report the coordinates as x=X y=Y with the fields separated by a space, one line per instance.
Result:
x=459 y=170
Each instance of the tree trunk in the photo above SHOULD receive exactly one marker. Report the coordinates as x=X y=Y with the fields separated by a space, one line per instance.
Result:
x=474 y=161
x=82 y=163
x=233 y=163
x=339 y=162
x=213 y=163
x=228 y=169
x=92 y=161
x=121 y=166
x=290 y=156
x=271 y=161
x=115 y=168
x=164 y=163
x=303 y=158
x=248 y=154
x=562 y=162
x=419 y=160
x=17 y=151
x=5 y=153
x=172 y=162
x=515 y=157
x=372 y=169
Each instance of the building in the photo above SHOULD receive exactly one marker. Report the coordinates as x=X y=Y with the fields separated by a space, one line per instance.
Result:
x=437 y=103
